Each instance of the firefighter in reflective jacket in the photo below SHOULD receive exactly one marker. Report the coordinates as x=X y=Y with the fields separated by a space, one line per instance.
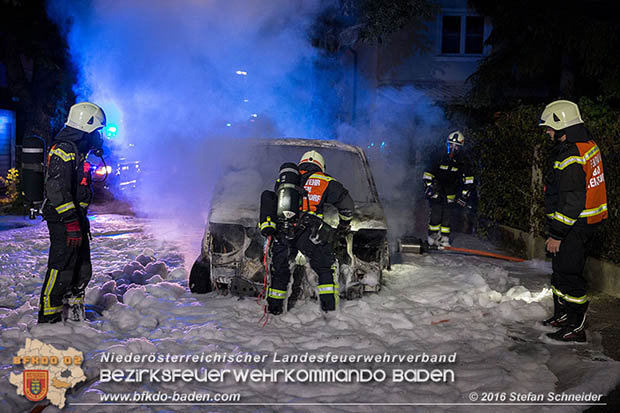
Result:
x=448 y=181
x=312 y=236
x=575 y=204
x=68 y=194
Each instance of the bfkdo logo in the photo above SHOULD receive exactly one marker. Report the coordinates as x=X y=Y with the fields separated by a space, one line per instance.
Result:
x=36 y=384
x=47 y=372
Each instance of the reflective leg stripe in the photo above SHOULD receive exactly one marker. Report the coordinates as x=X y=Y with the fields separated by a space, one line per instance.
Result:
x=445 y=230
x=434 y=228
x=336 y=285
x=267 y=224
x=577 y=300
x=47 y=306
x=326 y=288
x=75 y=300
x=84 y=204
x=277 y=294
x=451 y=197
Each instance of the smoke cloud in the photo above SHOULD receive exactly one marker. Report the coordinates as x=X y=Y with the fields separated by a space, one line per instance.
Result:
x=180 y=79
x=396 y=131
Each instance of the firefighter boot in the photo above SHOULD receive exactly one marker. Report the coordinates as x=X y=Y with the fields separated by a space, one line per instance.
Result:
x=275 y=305
x=49 y=318
x=75 y=310
x=328 y=302
x=434 y=239
x=574 y=329
x=560 y=315
x=444 y=241
x=298 y=275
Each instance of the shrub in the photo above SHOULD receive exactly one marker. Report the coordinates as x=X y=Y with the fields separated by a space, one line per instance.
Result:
x=510 y=155
x=12 y=201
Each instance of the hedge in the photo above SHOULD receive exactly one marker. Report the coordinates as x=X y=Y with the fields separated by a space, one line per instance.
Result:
x=513 y=148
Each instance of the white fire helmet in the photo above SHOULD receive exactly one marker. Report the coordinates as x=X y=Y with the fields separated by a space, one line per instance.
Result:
x=86 y=116
x=457 y=138
x=313 y=157
x=560 y=114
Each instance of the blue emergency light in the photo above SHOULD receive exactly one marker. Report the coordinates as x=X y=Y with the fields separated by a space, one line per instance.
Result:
x=110 y=131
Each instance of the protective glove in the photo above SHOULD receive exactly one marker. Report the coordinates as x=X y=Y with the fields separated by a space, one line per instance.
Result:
x=74 y=234
x=463 y=199
x=430 y=193
x=344 y=227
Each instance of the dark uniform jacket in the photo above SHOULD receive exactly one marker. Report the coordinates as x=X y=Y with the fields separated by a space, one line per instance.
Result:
x=575 y=184
x=68 y=184
x=450 y=176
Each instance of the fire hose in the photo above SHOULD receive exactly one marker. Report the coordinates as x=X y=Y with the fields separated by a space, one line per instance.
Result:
x=409 y=245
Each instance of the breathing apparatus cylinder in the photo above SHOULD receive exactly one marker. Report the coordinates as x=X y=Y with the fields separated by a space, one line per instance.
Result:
x=33 y=173
x=288 y=194
x=268 y=211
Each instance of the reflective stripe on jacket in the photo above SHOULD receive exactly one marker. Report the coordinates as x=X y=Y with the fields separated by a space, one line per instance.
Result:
x=321 y=189
x=67 y=183
x=596 y=193
x=575 y=189
x=450 y=176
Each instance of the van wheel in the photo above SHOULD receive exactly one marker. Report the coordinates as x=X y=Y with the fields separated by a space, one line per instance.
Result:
x=200 y=277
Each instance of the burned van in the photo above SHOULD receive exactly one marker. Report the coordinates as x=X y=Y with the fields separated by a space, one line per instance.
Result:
x=232 y=258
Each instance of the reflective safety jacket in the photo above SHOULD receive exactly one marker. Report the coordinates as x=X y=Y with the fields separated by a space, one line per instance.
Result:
x=320 y=189
x=575 y=185
x=451 y=177
x=68 y=183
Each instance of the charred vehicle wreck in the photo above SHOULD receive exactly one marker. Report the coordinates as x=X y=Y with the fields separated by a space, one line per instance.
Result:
x=232 y=252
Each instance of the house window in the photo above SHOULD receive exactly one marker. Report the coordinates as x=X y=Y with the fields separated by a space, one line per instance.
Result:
x=3 y=82
x=474 y=34
x=451 y=34
x=462 y=34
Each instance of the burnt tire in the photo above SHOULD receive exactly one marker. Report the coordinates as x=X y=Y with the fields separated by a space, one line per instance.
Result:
x=200 y=277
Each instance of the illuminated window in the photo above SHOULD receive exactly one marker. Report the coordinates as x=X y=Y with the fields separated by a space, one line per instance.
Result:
x=7 y=140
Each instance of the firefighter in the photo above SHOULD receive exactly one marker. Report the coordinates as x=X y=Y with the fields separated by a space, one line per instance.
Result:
x=448 y=181
x=68 y=194
x=575 y=204
x=312 y=235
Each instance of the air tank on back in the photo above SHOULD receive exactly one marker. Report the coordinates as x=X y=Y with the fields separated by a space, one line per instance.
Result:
x=288 y=193
x=33 y=173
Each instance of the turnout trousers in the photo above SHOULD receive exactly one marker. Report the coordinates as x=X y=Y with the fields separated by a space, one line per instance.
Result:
x=441 y=210
x=567 y=281
x=322 y=261
x=69 y=270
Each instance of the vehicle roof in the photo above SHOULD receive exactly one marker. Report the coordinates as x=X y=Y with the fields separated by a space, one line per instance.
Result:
x=310 y=143
x=225 y=209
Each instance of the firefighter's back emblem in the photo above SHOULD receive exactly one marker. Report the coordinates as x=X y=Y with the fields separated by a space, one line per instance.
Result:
x=36 y=384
